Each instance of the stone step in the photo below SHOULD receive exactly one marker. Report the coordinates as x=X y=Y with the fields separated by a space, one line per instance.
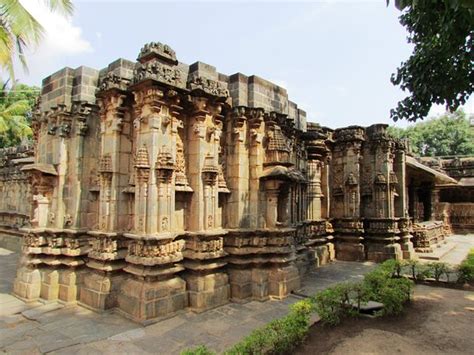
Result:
x=439 y=252
x=35 y=313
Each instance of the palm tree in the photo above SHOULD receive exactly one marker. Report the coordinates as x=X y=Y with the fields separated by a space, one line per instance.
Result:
x=19 y=29
x=15 y=108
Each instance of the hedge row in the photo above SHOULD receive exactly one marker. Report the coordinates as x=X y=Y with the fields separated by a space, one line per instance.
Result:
x=345 y=299
x=332 y=305
x=462 y=274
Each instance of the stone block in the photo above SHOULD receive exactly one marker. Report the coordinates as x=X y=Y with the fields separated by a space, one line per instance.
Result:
x=323 y=254
x=240 y=283
x=100 y=290
x=49 y=284
x=70 y=281
x=27 y=284
x=207 y=291
x=283 y=280
x=350 y=251
x=143 y=300
x=380 y=252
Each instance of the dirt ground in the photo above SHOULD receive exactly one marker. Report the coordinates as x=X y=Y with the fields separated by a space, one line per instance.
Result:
x=438 y=321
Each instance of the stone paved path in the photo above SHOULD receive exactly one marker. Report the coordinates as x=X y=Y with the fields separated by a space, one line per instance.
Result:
x=463 y=244
x=53 y=328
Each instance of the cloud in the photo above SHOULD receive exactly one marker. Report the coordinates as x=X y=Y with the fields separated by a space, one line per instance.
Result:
x=61 y=38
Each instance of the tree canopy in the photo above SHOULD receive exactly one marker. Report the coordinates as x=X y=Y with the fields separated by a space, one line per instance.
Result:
x=449 y=134
x=16 y=104
x=19 y=29
x=440 y=68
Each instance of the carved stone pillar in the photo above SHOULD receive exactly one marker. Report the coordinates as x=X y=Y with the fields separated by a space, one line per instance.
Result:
x=106 y=257
x=401 y=203
x=256 y=159
x=238 y=167
x=314 y=190
x=153 y=288
x=206 y=281
x=272 y=192
x=382 y=230
x=346 y=193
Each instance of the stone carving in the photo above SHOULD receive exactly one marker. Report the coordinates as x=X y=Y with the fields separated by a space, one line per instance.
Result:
x=187 y=188
x=105 y=164
x=113 y=81
x=208 y=86
x=159 y=50
x=159 y=72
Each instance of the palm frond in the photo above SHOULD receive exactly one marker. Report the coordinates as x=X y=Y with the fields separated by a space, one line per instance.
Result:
x=64 y=7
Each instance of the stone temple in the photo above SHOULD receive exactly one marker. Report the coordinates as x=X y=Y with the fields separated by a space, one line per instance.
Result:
x=155 y=186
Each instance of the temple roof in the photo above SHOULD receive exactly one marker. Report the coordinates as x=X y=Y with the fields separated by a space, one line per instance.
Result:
x=439 y=177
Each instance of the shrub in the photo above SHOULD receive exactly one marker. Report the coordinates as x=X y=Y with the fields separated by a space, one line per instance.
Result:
x=393 y=294
x=438 y=269
x=199 y=350
x=280 y=335
x=413 y=266
x=330 y=304
x=466 y=269
x=424 y=272
x=393 y=267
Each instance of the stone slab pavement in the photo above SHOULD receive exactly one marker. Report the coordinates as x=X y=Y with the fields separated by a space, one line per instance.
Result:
x=53 y=328
x=463 y=243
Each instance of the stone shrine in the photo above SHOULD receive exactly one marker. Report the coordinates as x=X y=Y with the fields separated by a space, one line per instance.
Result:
x=158 y=186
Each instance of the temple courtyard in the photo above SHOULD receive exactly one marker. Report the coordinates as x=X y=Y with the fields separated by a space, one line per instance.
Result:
x=430 y=325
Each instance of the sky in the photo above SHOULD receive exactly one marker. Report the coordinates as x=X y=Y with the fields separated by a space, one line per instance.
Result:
x=335 y=58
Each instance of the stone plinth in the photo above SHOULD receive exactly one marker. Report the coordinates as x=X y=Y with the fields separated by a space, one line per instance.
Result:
x=143 y=299
x=426 y=235
x=106 y=261
x=153 y=289
x=58 y=255
x=262 y=264
x=381 y=239
x=206 y=281
x=349 y=239
x=406 y=237
x=27 y=284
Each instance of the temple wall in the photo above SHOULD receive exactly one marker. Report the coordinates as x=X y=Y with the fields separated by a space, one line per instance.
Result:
x=15 y=192
x=158 y=186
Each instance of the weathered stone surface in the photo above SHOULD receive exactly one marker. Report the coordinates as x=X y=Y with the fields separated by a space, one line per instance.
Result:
x=156 y=186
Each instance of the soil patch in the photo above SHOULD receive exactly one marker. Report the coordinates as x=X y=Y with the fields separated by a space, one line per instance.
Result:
x=438 y=321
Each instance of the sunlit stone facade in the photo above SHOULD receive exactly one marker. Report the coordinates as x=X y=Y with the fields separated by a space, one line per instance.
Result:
x=159 y=186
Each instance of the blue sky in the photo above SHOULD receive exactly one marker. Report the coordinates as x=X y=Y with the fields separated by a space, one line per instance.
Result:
x=334 y=57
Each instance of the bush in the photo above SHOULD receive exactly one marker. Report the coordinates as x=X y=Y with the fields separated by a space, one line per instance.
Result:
x=394 y=293
x=393 y=267
x=329 y=305
x=413 y=266
x=424 y=272
x=438 y=269
x=199 y=350
x=466 y=269
x=280 y=335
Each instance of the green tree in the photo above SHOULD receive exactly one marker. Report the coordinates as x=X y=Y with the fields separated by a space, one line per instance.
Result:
x=16 y=104
x=440 y=69
x=19 y=29
x=449 y=134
